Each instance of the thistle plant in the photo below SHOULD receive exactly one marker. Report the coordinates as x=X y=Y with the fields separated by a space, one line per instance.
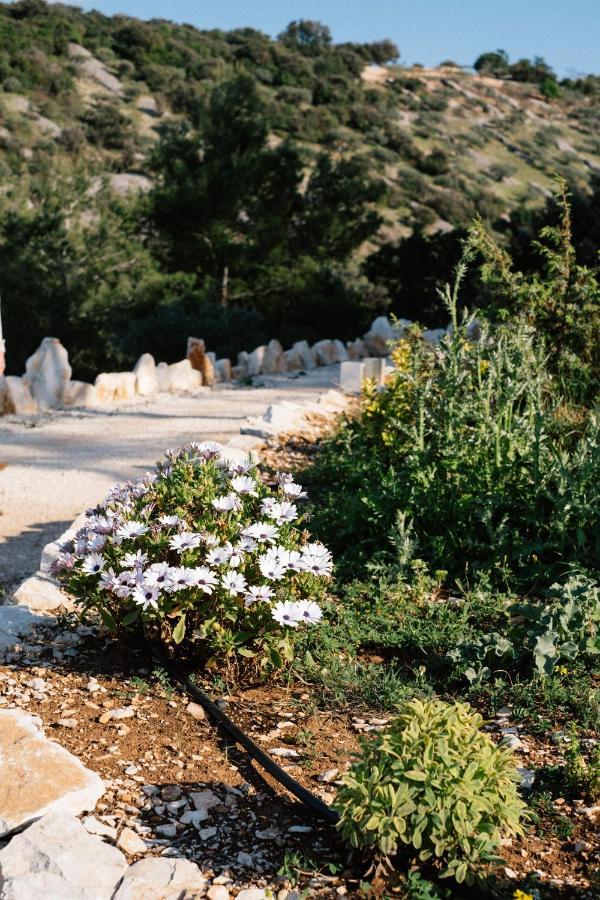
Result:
x=435 y=782
x=201 y=549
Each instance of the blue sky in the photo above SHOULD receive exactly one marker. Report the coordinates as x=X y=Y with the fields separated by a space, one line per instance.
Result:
x=566 y=32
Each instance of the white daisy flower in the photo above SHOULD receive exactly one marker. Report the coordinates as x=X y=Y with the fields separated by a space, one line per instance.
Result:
x=63 y=562
x=108 y=580
x=263 y=532
x=246 y=545
x=135 y=560
x=208 y=449
x=96 y=542
x=187 y=540
x=308 y=611
x=131 y=529
x=227 y=503
x=318 y=565
x=103 y=524
x=204 y=579
x=282 y=512
x=267 y=504
x=218 y=556
x=234 y=583
x=291 y=559
x=270 y=566
x=93 y=564
x=158 y=574
x=243 y=484
x=285 y=613
x=210 y=540
x=170 y=521
x=126 y=582
x=295 y=491
x=180 y=579
x=258 y=593
x=146 y=595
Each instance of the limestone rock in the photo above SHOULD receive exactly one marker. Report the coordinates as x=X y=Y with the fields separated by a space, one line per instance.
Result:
x=56 y=859
x=340 y=352
x=382 y=333
x=146 y=382
x=324 y=353
x=163 y=376
x=47 y=372
x=292 y=360
x=240 y=371
x=16 y=623
x=159 y=878
x=80 y=393
x=306 y=355
x=38 y=775
x=41 y=593
x=130 y=842
x=111 y=386
x=182 y=377
x=15 y=397
x=223 y=373
x=200 y=360
x=356 y=349
x=274 y=360
x=255 y=361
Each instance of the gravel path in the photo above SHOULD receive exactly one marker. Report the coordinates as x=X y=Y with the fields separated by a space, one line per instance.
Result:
x=57 y=465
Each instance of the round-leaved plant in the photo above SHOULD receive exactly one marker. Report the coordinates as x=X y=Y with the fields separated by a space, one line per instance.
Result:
x=201 y=548
x=435 y=782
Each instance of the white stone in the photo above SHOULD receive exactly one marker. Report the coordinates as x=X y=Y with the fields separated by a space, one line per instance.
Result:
x=41 y=594
x=56 y=859
x=324 y=352
x=382 y=333
x=252 y=893
x=292 y=360
x=374 y=368
x=147 y=104
x=97 y=71
x=38 y=775
x=130 y=842
x=204 y=799
x=217 y=892
x=340 y=352
x=129 y=183
x=183 y=377
x=351 y=377
x=223 y=372
x=16 y=623
x=80 y=393
x=273 y=360
x=240 y=371
x=111 y=386
x=255 y=361
x=306 y=355
x=47 y=372
x=162 y=879
x=356 y=349
x=94 y=826
x=15 y=397
x=146 y=382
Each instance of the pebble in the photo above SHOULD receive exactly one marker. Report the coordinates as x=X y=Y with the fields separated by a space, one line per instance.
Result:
x=168 y=831
x=195 y=711
x=67 y=723
x=130 y=842
x=217 y=892
x=125 y=712
x=94 y=826
x=285 y=752
x=299 y=829
x=527 y=777
x=329 y=775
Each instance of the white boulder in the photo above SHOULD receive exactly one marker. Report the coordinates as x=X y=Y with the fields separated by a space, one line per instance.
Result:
x=340 y=352
x=324 y=352
x=183 y=377
x=146 y=381
x=80 y=393
x=111 y=386
x=255 y=361
x=47 y=372
x=56 y=859
x=356 y=349
x=223 y=372
x=41 y=593
x=39 y=776
x=382 y=333
x=17 y=623
x=306 y=355
x=15 y=397
x=159 y=878
x=274 y=359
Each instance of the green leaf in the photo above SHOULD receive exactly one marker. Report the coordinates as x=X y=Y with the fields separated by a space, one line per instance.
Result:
x=179 y=631
x=131 y=617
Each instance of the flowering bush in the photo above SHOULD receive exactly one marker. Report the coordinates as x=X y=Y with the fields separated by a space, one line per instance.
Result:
x=201 y=548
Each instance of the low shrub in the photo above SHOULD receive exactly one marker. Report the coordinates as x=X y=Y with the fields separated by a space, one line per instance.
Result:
x=435 y=782
x=201 y=549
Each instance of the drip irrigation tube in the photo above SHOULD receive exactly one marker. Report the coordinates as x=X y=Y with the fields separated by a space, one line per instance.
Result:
x=315 y=804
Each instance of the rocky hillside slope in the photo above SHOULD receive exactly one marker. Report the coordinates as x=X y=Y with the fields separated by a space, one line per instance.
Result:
x=86 y=93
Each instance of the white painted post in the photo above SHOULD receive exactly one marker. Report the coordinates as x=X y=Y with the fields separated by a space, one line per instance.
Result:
x=351 y=377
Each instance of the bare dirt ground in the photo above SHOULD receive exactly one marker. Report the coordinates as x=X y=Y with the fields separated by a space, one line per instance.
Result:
x=54 y=466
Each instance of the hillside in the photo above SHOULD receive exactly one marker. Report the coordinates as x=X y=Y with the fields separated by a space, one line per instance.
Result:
x=87 y=100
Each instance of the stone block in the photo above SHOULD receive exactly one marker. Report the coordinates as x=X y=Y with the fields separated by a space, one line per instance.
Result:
x=306 y=355
x=111 y=386
x=146 y=381
x=351 y=377
x=200 y=360
x=356 y=349
x=39 y=776
x=182 y=377
x=374 y=368
x=56 y=859
x=382 y=334
x=255 y=361
x=223 y=371
x=340 y=352
x=274 y=359
x=324 y=352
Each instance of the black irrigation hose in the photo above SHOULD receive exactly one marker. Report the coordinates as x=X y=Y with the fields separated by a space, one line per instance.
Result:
x=315 y=804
